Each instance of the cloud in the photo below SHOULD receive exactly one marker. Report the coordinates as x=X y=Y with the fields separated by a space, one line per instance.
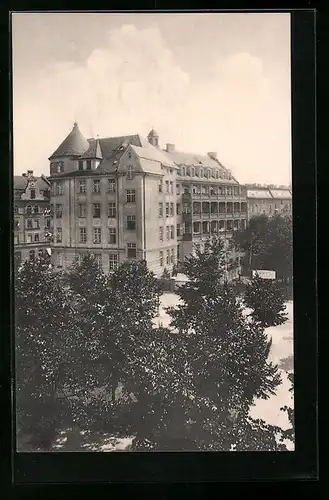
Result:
x=134 y=83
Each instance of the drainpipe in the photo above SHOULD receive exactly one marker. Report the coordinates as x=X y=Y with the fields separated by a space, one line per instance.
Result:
x=144 y=222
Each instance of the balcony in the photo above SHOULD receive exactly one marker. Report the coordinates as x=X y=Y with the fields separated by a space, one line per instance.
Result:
x=187 y=237
x=186 y=217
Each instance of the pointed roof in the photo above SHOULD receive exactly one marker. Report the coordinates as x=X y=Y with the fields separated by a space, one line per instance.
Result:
x=153 y=133
x=94 y=150
x=75 y=144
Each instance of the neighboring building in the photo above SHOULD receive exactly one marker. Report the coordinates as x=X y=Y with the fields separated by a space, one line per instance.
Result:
x=125 y=198
x=32 y=222
x=268 y=201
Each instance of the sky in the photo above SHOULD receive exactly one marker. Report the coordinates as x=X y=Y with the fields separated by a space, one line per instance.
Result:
x=205 y=82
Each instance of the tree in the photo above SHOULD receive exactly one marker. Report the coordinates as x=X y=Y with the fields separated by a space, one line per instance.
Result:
x=42 y=312
x=221 y=365
x=290 y=433
x=266 y=301
x=267 y=243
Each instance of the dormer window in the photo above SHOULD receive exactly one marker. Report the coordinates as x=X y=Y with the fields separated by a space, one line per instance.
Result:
x=88 y=166
x=188 y=171
x=217 y=174
x=192 y=172
x=32 y=194
x=130 y=172
x=80 y=165
x=208 y=173
x=184 y=171
x=129 y=155
x=201 y=172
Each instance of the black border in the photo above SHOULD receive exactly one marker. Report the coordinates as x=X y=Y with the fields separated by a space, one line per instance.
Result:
x=214 y=467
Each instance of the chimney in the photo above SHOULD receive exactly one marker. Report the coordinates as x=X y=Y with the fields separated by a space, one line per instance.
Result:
x=24 y=175
x=212 y=155
x=30 y=173
x=170 y=148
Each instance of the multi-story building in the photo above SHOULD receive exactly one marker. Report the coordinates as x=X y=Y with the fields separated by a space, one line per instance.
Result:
x=32 y=216
x=269 y=201
x=126 y=198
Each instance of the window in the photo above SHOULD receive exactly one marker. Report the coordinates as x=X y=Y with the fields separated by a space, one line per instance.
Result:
x=205 y=189
x=59 y=235
x=112 y=235
x=18 y=258
x=130 y=172
x=229 y=191
x=82 y=210
x=88 y=166
x=171 y=209
x=36 y=224
x=167 y=257
x=167 y=209
x=131 y=195
x=80 y=165
x=131 y=222
x=60 y=167
x=196 y=227
x=112 y=211
x=82 y=186
x=32 y=254
x=16 y=224
x=96 y=186
x=32 y=194
x=201 y=172
x=192 y=172
x=59 y=188
x=59 y=260
x=82 y=235
x=178 y=230
x=171 y=187
x=29 y=209
x=177 y=188
x=15 y=209
x=177 y=208
x=29 y=224
x=196 y=189
x=98 y=260
x=96 y=210
x=167 y=186
x=16 y=240
x=167 y=232
x=113 y=261
x=178 y=252
x=131 y=250
x=112 y=185
x=36 y=238
x=160 y=186
x=97 y=232
x=172 y=232
x=58 y=211
x=36 y=209
x=48 y=223
x=172 y=256
x=161 y=233
x=160 y=209
x=161 y=258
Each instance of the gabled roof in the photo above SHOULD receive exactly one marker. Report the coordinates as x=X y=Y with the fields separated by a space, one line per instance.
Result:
x=191 y=159
x=283 y=194
x=20 y=182
x=110 y=144
x=75 y=144
x=154 y=154
x=258 y=193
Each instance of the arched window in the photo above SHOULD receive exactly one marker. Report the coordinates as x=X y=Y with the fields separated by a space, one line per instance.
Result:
x=32 y=254
x=36 y=209
x=201 y=172
x=192 y=172
x=28 y=209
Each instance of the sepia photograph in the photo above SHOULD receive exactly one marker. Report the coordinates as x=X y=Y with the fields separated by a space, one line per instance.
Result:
x=152 y=232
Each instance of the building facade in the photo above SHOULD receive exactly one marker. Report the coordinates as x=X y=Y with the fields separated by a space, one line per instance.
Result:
x=32 y=216
x=269 y=201
x=124 y=198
